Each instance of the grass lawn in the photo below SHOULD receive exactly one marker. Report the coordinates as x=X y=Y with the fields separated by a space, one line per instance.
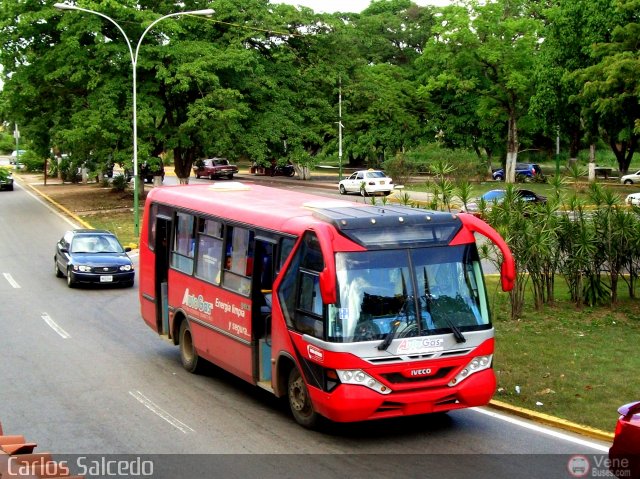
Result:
x=580 y=365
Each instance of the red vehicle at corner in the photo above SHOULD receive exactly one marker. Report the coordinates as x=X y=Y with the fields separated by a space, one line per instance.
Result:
x=624 y=454
x=350 y=311
x=213 y=168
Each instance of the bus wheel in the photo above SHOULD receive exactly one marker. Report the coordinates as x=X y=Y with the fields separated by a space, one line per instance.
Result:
x=188 y=355
x=299 y=400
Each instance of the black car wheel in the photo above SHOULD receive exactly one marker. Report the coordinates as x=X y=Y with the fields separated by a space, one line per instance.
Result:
x=56 y=269
x=70 y=282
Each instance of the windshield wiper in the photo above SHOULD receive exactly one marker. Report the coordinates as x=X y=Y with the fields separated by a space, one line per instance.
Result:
x=384 y=345
x=456 y=331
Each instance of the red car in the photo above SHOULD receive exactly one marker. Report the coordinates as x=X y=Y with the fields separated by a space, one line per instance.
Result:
x=214 y=168
x=624 y=454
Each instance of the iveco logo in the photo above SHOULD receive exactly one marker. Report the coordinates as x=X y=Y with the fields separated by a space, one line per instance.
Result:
x=420 y=372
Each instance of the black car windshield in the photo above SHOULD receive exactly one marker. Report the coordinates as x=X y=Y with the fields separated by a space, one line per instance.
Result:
x=415 y=292
x=95 y=244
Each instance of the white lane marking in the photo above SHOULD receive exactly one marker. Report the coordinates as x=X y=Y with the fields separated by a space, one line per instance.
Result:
x=543 y=430
x=12 y=281
x=53 y=325
x=154 y=408
x=51 y=208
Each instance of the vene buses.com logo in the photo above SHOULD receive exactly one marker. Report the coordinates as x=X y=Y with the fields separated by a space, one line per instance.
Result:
x=578 y=466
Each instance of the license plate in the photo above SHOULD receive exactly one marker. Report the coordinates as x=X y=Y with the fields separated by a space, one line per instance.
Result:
x=106 y=279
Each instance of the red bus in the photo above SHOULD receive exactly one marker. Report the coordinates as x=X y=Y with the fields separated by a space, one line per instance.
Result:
x=351 y=311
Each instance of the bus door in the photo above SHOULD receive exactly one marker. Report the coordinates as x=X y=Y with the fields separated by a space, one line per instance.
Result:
x=261 y=290
x=161 y=248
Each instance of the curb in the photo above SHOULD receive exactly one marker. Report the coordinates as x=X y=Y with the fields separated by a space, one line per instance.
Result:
x=551 y=421
x=493 y=404
x=58 y=205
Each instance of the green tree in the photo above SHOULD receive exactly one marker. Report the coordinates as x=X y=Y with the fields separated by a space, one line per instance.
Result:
x=611 y=87
x=571 y=27
x=494 y=75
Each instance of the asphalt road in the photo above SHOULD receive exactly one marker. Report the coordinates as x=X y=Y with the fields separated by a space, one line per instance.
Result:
x=80 y=373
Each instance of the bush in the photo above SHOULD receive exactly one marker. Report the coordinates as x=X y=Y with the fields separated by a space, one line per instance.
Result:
x=400 y=169
x=31 y=161
x=465 y=162
x=7 y=143
x=119 y=183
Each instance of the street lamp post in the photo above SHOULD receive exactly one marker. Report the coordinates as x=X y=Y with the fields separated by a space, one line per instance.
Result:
x=134 y=62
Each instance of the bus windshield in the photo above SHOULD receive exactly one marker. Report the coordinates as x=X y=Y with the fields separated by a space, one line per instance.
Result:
x=408 y=293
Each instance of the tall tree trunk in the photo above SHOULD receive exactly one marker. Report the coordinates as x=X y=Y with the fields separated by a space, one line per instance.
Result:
x=183 y=161
x=592 y=162
x=512 y=149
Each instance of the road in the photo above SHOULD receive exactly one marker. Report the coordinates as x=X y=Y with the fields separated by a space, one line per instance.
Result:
x=80 y=373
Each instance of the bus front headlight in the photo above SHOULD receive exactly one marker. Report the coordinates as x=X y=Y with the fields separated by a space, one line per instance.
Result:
x=479 y=363
x=360 y=378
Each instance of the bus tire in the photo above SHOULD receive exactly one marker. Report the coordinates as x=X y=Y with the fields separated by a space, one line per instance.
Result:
x=300 y=401
x=188 y=355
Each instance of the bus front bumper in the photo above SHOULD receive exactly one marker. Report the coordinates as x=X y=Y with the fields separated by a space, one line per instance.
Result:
x=349 y=403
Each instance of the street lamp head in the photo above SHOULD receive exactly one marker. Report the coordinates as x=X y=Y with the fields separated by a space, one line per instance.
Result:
x=206 y=12
x=64 y=6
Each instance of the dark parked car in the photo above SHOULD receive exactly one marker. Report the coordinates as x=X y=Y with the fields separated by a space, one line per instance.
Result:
x=6 y=179
x=274 y=170
x=93 y=256
x=527 y=170
x=146 y=172
x=624 y=454
x=214 y=168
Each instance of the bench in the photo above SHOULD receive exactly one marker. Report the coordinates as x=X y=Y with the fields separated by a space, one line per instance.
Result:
x=603 y=171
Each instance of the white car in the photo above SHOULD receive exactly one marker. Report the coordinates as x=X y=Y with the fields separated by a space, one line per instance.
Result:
x=14 y=156
x=633 y=199
x=631 y=178
x=366 y=182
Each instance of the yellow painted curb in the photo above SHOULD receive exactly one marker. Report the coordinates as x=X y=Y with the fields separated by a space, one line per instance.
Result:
x=552 y=421
x=62 y=208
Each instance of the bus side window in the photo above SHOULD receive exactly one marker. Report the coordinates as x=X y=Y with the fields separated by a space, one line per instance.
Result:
x=286 y=246
x=183 y=243
x=238 y=266
x=209 y=256
x=300 y=289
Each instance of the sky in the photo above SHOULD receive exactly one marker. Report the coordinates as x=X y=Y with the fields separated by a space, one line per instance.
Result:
x=330 y=6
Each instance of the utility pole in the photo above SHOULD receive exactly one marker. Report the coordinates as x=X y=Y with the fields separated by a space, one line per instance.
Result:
x=340 y=128
x=16 y=135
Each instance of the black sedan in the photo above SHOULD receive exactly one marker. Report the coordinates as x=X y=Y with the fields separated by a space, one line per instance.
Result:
x=6 y=179
x=93 y=256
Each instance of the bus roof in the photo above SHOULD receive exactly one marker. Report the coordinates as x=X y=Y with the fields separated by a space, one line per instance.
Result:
x=274 y=209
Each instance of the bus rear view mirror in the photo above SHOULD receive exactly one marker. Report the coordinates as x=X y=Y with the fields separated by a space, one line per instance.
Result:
x=328 y=287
